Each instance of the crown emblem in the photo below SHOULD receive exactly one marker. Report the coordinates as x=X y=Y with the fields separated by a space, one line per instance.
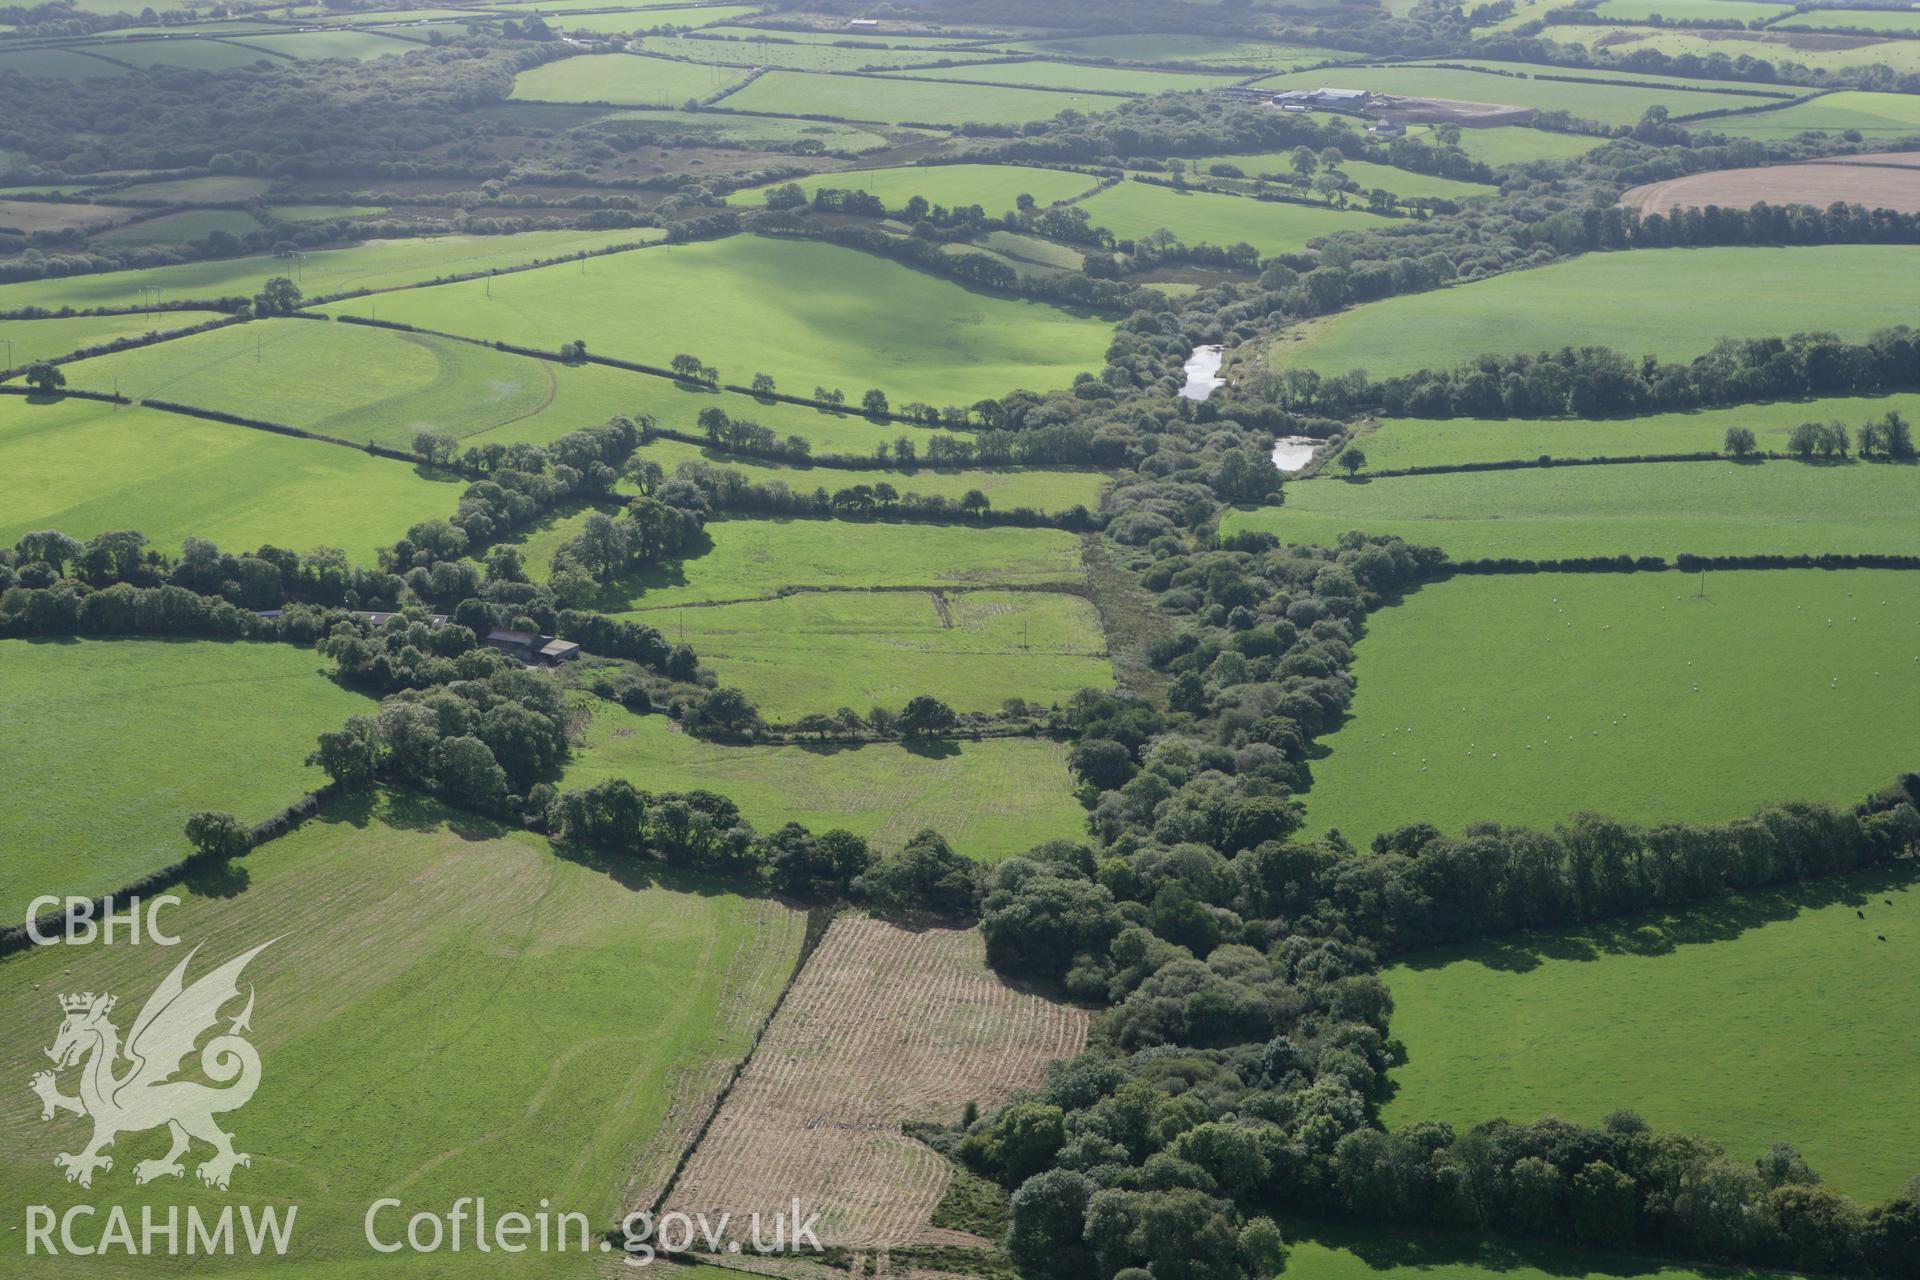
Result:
x=82 y=1002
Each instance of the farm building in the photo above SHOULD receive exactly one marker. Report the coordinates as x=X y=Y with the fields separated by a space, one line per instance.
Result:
x=559 y=651
x=515 y=644
x=1308 y=99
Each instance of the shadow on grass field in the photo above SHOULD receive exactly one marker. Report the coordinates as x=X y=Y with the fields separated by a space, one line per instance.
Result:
x=1663 y=934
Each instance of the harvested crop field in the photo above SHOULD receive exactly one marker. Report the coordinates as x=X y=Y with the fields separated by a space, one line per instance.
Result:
x=883 y=1025
x=1874 y=183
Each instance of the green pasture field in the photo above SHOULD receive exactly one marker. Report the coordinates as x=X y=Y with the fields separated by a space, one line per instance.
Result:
x=1752 y=90
x=1649 y=509
x=802 y=57
x=755 y=130
x=879 y=98
x=57 y=64
x=995 y=187
x=1675 y=303
x=1719 y=10
x=1625 y=694
x=1321 y=1250
x=973 y=650
x=380 y=17
x=446 y=1009
x=1776 y=1016
x=1609 y=104
x=626 y=20
x=884 y=39
x=806 y=312
x=323 y=212
x=1775 y=46
x=358 y=46
x=1404 y=183
x=1515 y=143
x=991 y=799
x=1426 y=442
x=1900 y=20
x=178 y=228
x=1007 y=487
x=24 y=341
x=1135 y=210
x=374 y=264
x=85 y=467
x=751 y=559
x=623 y=79
x=1877 y=115
x=183 y=51
x=215 y=189
x=1035 y=249
x=149 y=731
x=360 y=383
x=1073 y=75
x=1163 y=46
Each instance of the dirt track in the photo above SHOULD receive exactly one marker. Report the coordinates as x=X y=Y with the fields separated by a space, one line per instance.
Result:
x=1878 y=182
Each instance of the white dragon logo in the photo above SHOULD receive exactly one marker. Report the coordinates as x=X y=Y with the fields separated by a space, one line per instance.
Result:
x=146 y=1095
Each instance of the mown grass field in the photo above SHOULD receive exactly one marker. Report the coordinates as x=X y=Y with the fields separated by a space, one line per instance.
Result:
x=120 y=740
x=795 y=93
x=991 y=799
x=1135 y=210
x=1071 y=75
x=808 y=313
x=447 y=1009
x=1674 y=303
x=994 y=187
x=48 y=339
x=29 y=216
x=623 y=79
x=1626 y=695
x=973 y=650
x=749 y=559
x=180 y=51
x=1655 y=509
x=1607 y=103
x=84 y=467
x=1877 y=115
x=1425 y=442
x=1792 y=994
x=375 y=264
